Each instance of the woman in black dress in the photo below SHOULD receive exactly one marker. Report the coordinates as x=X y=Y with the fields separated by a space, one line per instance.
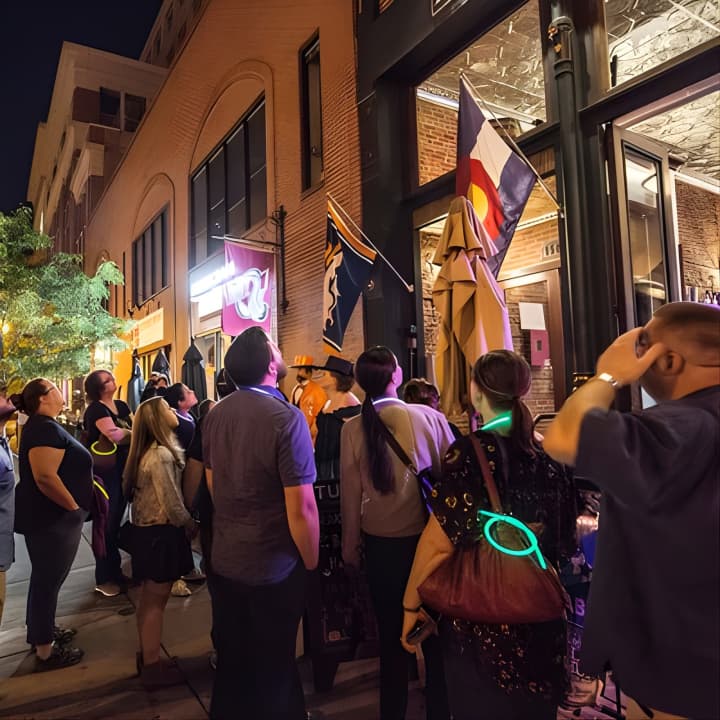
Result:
x=107 y=423
x=52 y=500
x=503 y=672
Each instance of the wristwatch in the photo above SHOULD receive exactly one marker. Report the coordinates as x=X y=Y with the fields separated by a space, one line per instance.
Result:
x=609 y=379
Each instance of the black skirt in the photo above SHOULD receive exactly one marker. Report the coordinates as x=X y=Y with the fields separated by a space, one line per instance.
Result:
x=159 y=552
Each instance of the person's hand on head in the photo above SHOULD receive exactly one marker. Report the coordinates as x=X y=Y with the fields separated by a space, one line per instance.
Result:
x=629 y=357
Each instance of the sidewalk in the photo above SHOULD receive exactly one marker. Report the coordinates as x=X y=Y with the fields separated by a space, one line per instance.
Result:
x=102 y=686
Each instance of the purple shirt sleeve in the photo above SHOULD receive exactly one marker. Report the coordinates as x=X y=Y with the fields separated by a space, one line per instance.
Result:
x=296 y=458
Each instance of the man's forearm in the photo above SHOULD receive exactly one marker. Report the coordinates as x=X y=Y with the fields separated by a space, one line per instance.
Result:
x=305 y=532
x=562 y=437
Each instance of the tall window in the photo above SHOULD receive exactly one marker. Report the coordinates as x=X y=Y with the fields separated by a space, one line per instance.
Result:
x=229 y=191
x=134 y=111
x=149 y=260
x=109 y=107
x=312 y=170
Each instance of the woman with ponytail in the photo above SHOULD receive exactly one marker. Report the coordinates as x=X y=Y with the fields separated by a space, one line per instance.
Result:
x=504 y=672
x=383 y=512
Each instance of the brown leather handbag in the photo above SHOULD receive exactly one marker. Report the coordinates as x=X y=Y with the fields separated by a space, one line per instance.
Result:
x=503 y=577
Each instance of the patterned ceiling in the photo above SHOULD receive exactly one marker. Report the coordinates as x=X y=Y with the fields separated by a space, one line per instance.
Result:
x=505 y=66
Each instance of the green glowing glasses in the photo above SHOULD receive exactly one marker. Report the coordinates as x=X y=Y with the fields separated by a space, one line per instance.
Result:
x=533 y=548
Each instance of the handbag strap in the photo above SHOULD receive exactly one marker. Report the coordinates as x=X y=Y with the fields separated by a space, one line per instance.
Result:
x=396 y=447
x=487 y=474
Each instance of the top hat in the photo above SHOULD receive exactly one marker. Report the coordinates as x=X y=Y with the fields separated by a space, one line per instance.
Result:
x=303 y=361
x=337 y=365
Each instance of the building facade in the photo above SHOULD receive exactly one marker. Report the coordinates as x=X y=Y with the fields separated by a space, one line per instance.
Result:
x=98 y=102
x=255 y=123
x=617 y=109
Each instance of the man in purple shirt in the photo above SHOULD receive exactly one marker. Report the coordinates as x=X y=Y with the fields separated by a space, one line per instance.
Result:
x=260 y=470
x=653 y=610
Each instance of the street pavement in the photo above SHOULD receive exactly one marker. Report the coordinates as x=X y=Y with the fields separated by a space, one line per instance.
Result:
x=102 y=685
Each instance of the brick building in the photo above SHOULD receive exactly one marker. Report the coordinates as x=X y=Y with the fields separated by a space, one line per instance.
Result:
x=232 y=144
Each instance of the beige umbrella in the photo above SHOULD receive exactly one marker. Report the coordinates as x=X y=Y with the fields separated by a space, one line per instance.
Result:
x=471 y=304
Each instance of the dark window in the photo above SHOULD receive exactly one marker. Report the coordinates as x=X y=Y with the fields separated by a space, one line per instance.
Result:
x=109 y=107
x=134 y=111
x=149 y=260
x=312 y=161
x=229 y=192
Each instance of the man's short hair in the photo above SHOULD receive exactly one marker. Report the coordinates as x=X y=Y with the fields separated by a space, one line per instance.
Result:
x=248 y=357
x=695 y=326
x=174 y=395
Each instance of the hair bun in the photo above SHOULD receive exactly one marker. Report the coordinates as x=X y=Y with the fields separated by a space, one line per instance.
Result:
x=17 y=400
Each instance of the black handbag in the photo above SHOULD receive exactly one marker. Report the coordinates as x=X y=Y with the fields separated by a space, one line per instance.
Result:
x=424 y=477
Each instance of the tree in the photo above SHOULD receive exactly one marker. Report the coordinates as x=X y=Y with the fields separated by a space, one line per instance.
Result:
x=51 y=312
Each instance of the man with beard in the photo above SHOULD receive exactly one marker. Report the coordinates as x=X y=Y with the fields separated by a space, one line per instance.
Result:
x=260 y=472
x=653 y=610
x=7 y=496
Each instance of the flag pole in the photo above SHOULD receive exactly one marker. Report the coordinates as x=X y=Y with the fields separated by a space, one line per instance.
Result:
x=409 y=288
x=515 y=146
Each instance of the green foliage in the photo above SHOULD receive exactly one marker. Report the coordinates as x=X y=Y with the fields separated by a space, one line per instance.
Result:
x=51 y=312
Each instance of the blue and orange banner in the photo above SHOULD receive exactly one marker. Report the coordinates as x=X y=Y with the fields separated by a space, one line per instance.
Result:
x=496 y=180
x=348 y=265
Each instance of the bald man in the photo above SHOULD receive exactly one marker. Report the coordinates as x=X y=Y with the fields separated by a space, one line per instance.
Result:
x=655 y=598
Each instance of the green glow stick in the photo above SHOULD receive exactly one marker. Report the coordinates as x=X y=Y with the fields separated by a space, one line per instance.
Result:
x=501 y=421
x=533 y=546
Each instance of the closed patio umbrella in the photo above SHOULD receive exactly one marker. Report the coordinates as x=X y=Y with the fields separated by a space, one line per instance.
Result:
x=161 y=364
x=193 y=371
x=136 y=385
x=470 y=302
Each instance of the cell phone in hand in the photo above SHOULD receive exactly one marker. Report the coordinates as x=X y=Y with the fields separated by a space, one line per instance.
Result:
x=425 y=626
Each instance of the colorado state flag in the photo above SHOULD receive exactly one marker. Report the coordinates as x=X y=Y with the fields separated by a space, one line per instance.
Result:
x=495 y=180
x=348 y=264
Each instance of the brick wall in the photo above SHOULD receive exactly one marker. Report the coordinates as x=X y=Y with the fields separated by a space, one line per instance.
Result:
x=236 y=51
x=526 y=248
x=436 y=136
x=698 y=214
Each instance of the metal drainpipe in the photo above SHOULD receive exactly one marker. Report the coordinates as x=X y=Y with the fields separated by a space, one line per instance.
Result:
x=560 y=33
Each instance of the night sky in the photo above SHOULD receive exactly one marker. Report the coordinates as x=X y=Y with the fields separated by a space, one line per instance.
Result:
x=31 y=35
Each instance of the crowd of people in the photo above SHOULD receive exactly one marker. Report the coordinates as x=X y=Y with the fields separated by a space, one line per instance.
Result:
x=416 y=494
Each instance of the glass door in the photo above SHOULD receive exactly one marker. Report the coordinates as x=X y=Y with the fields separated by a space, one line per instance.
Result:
x=646 y=259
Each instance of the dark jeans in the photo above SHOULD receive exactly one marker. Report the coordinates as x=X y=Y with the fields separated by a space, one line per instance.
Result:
x=388 y=562
x=473 y=695
x=107 y=569
x=52 y=551
x=255 y=629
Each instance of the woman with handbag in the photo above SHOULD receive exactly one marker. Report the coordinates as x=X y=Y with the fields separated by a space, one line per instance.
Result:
x=503 y=518
x=382 y=506
x=52 y=500
x=107 y=423
x=159 y=537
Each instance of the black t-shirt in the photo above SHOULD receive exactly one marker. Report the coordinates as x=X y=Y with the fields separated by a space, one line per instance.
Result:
x=655 y=592
x=33 y=509
x=96 y=411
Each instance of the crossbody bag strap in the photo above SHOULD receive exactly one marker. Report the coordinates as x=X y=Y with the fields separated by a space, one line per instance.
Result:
x=487 y=474
x=396 y=447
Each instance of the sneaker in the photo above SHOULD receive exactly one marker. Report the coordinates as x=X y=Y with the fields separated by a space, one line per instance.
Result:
x=180 y=589
x=194 y=575
x=108 y=589
x=60 y=657
x=62 y=636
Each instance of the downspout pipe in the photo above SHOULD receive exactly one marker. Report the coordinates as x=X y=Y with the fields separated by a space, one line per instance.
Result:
x=561 y=33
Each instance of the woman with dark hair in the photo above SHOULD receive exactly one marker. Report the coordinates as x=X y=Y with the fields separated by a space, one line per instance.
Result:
x=158 y=539
x=503 y=672
x=382 y=505
x=107 y=423
x=52 y=500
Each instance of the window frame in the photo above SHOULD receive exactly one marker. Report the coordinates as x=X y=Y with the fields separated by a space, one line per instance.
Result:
x=307 y=53
x=144 y=252
x=204 y=166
